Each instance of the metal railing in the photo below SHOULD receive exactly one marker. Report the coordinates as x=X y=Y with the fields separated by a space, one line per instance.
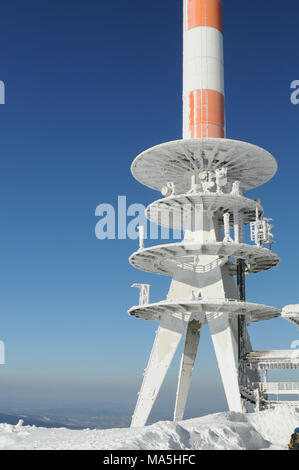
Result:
x=279 y=388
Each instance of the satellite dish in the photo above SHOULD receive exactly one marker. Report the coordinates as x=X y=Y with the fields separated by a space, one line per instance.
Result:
x=166 y=191
x=203 y=175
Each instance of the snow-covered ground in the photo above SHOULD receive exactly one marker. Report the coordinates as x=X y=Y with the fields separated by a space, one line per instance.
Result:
x=266 y=430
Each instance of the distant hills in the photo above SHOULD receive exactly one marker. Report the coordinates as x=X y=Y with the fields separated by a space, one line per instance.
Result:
x=79 y=421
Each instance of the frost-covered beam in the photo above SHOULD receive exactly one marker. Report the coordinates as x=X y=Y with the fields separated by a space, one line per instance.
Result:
x=192 y=337
x=291 y=313
x=167 y=339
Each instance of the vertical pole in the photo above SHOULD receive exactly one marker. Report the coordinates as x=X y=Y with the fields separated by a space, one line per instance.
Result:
x=265 y=376
x=141 y=237
x=241 y=279
x=238 y=221
x=203 y=76
x=226 y=226
x=242 y=297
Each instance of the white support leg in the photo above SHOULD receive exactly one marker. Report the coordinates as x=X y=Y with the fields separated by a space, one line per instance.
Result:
x=187 y=365
x=224 y=333
x=167 y=339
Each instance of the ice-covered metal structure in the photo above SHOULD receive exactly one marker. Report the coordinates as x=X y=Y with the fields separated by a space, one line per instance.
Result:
x=203 y=179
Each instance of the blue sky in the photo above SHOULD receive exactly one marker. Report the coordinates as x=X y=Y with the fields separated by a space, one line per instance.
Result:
x=89 y=85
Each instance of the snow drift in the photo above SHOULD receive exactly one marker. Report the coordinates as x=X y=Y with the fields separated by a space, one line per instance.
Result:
x=269 y=429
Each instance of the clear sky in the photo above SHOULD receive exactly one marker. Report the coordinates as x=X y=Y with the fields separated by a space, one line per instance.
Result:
x=89 y=85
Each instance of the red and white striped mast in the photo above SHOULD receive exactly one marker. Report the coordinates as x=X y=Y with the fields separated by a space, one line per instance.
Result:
x=203 y=74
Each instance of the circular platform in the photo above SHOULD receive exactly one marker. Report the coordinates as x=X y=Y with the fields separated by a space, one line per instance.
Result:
x=198 y=309
x=176 y=211
x=177 y=161
x=165 y=259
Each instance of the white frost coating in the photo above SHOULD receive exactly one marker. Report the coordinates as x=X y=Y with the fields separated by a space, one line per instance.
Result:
x=157 y=260
x=291 y=309
x=222 y=431
x=291 y=313
x=224 y=332
x=167 y=339
x=177 y=161
x=192 y=337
